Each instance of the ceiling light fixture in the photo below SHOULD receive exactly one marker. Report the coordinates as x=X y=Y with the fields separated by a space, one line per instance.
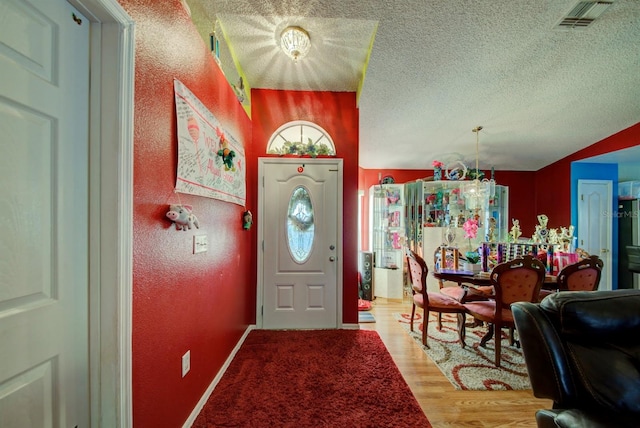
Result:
x=295 y=42
x=478 y=191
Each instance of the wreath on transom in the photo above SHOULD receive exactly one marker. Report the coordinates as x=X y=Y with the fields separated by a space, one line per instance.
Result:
x=299 y=148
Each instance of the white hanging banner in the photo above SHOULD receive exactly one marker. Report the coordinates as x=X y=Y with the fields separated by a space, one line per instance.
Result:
x=211 y=162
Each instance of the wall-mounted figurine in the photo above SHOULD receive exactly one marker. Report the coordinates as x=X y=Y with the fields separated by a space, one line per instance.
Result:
x=182 y=216
x=225 y=152
x=247 y=220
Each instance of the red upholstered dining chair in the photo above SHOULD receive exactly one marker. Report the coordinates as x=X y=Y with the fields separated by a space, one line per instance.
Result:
x=428 y=301
x=582 y=276
x=518 y=280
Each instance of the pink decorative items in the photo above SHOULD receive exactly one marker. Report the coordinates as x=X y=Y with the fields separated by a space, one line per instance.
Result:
x=182 y=216
x=395 y=241
x=471 y=231
x=562 y=259
x=437 y=170
x=393 y=196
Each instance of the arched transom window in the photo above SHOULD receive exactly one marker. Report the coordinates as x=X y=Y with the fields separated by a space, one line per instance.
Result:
x=301 y=138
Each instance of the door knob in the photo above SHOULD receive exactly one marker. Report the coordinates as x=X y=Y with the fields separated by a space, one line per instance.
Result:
x=604 y=250
x=332 y=247
x=332 y=259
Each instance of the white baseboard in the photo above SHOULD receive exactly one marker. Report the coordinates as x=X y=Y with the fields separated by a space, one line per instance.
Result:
x=351 y=326
x=205 y=397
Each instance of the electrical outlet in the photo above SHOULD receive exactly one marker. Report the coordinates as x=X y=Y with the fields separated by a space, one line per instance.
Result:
x=186 y=363
x=200 y=244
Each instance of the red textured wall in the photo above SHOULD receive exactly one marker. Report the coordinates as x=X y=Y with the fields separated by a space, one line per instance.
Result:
x=336 y=113
x=553 y=182
x=521 y=187
x=181 y=301
x=522 y=204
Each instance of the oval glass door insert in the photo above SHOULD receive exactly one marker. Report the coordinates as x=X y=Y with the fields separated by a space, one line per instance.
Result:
x=300 y=225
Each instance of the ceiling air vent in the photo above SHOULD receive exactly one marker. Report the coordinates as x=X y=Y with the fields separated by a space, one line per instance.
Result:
x=583 y=14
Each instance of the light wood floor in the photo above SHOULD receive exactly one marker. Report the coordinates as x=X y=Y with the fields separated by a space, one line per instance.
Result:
x=444 y=405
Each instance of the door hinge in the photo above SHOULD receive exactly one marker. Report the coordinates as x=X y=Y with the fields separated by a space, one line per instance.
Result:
x=261 y=310
x=263 y=246
x=582 y=197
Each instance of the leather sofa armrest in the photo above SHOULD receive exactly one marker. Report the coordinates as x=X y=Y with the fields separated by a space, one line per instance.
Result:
x=546 y=418
x=574 y=418
x=545 y=357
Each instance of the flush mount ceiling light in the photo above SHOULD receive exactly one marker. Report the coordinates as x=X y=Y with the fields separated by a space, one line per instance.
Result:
x=295 y=42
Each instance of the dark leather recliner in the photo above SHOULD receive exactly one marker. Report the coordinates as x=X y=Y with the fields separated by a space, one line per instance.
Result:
x=582 y=350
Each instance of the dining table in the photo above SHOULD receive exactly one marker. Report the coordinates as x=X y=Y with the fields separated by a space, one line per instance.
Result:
x=478 y=282
x=477 y=286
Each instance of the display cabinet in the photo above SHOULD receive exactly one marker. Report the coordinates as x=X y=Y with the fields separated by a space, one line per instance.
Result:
x=387 y=236
x=437 y=210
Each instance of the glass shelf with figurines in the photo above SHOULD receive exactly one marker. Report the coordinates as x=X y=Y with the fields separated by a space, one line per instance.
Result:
x=436 y=212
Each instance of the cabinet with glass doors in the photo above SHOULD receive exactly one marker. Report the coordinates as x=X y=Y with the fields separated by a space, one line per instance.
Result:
x=387 y=236
x=437 y=210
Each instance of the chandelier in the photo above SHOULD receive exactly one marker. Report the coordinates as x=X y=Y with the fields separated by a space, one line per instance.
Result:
x=295 y=42
x=477 y=192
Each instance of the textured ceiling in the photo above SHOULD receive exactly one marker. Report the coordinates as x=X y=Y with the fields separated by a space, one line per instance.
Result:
x=438 y=69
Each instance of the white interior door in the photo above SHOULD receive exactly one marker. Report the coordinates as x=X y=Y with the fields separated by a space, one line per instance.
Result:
x=301 y=208
x=595 y=199
x=44 y=371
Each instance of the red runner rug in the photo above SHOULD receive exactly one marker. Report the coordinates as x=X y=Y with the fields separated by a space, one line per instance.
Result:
x=312 y=378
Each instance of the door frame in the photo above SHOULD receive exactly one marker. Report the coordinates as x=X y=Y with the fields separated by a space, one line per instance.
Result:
x=111 y=101
x=262 y=162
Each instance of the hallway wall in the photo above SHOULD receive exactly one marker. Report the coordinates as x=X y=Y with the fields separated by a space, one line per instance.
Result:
x=182 y=301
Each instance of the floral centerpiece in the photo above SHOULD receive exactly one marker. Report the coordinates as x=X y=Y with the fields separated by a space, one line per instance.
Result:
x=473 y=258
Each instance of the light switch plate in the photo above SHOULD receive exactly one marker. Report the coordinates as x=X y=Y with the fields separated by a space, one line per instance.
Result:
x=200 y=244
x=186 y=363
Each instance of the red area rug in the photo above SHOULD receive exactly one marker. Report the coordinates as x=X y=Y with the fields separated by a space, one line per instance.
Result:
x=472 y=367
x=312 y=378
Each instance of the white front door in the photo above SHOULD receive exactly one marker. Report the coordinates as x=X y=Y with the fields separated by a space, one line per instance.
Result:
x=595 y=223
x=300 y=206
x=44 y=370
